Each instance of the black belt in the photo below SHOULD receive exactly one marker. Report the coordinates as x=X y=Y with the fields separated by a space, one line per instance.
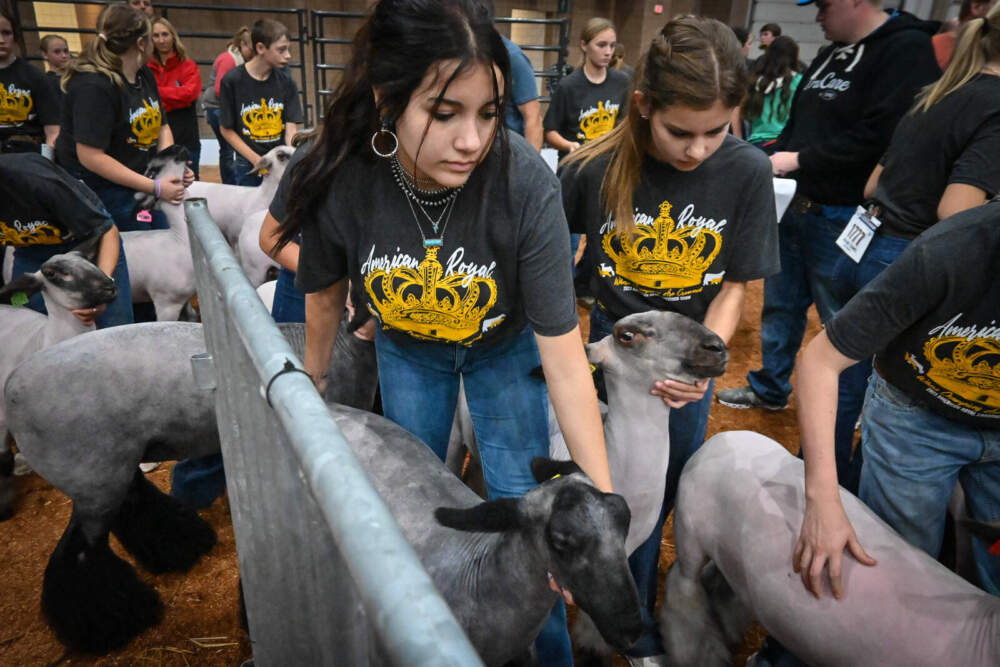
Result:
x=802 y=204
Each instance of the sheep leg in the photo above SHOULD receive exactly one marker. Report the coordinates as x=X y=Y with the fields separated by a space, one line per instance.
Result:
x=690 y=630
x=163 y=534
x=93 y=600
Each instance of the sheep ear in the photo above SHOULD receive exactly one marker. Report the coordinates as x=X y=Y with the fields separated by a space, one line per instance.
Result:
x=263 y=166
x=988 y=532
x=597 y=353
x=494 y=516
x=29 y=283
x=545 y=469
x=144 y=201
x=88 y=249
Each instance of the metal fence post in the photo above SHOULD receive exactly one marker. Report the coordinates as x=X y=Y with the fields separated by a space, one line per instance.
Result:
x=316 y=543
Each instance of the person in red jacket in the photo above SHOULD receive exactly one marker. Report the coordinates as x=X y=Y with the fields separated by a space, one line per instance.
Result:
x=179 y=84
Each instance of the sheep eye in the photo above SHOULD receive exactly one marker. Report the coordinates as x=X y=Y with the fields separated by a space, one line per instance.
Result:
x=625 y=336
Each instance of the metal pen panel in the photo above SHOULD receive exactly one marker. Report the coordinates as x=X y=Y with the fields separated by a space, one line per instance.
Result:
x=316 y=543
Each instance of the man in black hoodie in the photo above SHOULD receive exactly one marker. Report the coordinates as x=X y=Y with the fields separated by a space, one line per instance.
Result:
x=842 y=118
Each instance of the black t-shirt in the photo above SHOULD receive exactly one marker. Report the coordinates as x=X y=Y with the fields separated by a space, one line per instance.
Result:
x=26 y=101
x=123 y=121
x=932 y=319
x=55 y=81
x=581 y=110
x=258 y=110
x=848 y=103
x=40 y=204
x=955 y=141
x=504 y=262
x=694 y=229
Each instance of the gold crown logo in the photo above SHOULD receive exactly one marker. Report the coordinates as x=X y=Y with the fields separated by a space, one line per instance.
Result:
x=598 y=123
x=44 y=234
x=968 y=368
x=146 y=126
x=662 y=256
x=14 y=107
x=426 y=304
x=263 y=122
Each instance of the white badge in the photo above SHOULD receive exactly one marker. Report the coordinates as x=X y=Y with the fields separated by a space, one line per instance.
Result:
x=858 y=233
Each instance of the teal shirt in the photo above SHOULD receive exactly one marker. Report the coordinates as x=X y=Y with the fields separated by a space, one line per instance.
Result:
x=768 y=125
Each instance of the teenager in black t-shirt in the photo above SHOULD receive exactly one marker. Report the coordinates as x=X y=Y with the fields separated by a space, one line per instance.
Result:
x=943 y=154
x=678 y=216
x=589 y=102
x=932 y=412
x=259 y=105
x=113 y=123
x=452 y=236
x=46 y=212
x=29 y=113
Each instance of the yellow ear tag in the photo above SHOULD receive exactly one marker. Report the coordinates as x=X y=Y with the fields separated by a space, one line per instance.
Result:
x=556 y=476
x=262 y=172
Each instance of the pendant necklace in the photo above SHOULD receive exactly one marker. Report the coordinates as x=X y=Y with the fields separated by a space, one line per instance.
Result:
x=410 y=190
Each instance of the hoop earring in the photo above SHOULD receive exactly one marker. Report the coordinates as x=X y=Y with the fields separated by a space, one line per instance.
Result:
x=395 y=140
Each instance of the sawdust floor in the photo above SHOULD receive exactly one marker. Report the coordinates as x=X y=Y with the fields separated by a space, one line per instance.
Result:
x=201 y=625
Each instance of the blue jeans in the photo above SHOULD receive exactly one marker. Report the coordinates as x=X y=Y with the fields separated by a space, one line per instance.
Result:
x=198 y=482
x=194 y=157
x=913 y=458
x=226 y=152
x=29 y=259
x=687 y=433
x=289 y=303
x=809 y=254
x=120 y=202
x=241 y=172
x=419 y=382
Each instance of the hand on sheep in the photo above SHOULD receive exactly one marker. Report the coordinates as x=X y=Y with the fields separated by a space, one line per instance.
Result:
x=188 y=176
x=172 y=190
x=678 y=394
x=826 y=531
x=89 y=315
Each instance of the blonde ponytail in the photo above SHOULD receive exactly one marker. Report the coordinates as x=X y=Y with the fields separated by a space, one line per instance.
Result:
x=695 y=62
x=978 y=44
x=118 y=28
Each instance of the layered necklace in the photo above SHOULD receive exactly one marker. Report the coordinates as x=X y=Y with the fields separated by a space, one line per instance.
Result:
x=424 y=199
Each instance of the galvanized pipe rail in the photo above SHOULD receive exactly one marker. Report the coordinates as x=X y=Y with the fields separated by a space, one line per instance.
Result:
x=316 y=543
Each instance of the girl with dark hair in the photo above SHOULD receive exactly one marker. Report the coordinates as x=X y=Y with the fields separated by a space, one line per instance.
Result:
x=29 y=110
x=769 y=102
x=680 y=216
x=112 y=121
x=178 y=84
x=451 y=234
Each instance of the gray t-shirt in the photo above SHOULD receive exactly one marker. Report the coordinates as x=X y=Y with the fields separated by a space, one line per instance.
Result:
x=694 y=229
x=504 y=261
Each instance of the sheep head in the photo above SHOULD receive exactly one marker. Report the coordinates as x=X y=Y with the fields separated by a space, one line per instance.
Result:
x=579 y=533
x=657 y=345
x=68 y=280
x=168 y=164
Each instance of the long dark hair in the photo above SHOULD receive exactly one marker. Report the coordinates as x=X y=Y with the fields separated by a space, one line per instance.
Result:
x=395 y=48
x=780 y=63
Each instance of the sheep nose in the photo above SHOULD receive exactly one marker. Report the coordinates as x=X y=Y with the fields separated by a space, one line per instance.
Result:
x=714 y=346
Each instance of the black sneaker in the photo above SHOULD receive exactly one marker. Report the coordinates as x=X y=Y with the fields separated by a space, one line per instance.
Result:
x=745 y=397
